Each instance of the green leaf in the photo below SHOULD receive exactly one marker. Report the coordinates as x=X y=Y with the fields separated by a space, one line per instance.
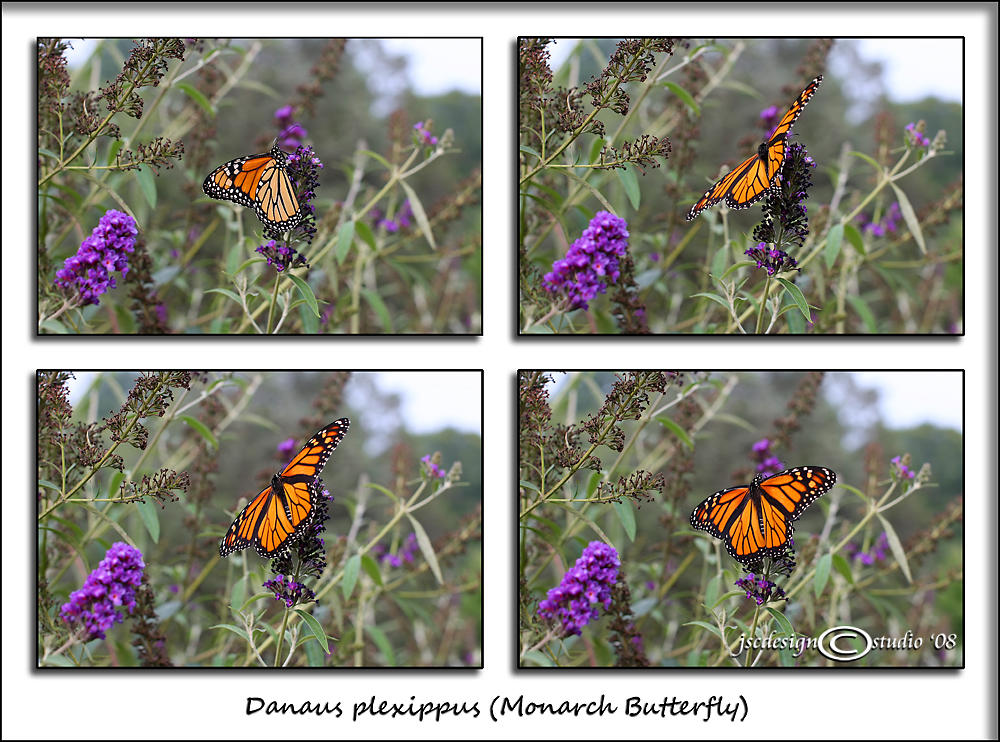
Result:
x=854 y=237
x=833 y=241
x=626 y=515
x=896 y=546
x=370 y=566
x=841 y=565
x=364 y=231
x=630 y=181
x=235 y=629
x=714 y=297
x=149 y=512
x=378 y=306
x=418 y=214
x=306 y=292
x=350 y=575
x=784 y=625
x=684 y=95
x=197 y=96
x=202 y=430
x=426 y=548
x=796 y=293
x=719 y=261
x=822 y=573
x=530 y=151
x=147 y=184
x=676 y=430
x=226 y=292
x=910 y=217
x=382 y=642
x=345 y=238
x=315 y=628
x=864 y=312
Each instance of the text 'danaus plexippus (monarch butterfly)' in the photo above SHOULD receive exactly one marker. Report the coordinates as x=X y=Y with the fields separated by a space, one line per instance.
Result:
x=283 y=510
x=259 y=182
x=755 y=520
x=761 y=172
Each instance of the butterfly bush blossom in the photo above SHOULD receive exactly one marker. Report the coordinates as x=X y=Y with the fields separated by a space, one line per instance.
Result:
x=584 y=586
x=591 y=264
x=88 y=273
x=767 y=462
x=406 y=552
x=110 y=587
x=759 y=589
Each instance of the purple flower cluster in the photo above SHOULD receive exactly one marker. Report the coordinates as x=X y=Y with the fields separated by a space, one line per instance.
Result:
x=890 y=220
x=424 y=135
x=585 y=585
x=281 y=257
x=767 y=462
x=405 y=555
x=288 y=591
x=286 y=447
x=591 y=264
x=109 y=587
x=769 y=117
x=759 y=589
x=879 y=551
x=402 y=220
x=771 y=259
x=88 y=273
x=432 y=468
x=915 y=137
x=900 y=469
x=303 y=169
x=292 y=132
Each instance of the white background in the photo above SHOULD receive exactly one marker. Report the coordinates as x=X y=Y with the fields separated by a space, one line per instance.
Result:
x=826 y=704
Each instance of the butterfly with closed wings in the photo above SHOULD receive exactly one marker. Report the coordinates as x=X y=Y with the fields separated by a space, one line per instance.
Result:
x=760 y=173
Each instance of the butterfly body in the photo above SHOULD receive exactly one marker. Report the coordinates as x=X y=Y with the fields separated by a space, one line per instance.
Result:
x=282 y=511
x=755 y=520
x=760 y=173
x=259 y=182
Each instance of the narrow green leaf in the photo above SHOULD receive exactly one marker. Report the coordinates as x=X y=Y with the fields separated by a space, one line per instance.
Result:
x=626 y=515
x=822 y=574
x=226 y=292
x=235 y=629
x=147 y=184
x=377 y=157
x=378 y=306
x=198 y=97
x=841 y=565
x=382 y=642
x=685 y=97
x=149 y=513
x=418 y=214
x=426 y=548
x=910 y=217
x=530 y=151
x=676 y=430
x=350 y=576
x=364 y=231
x=370 y=566
x=796 y=293
x=202 y=430
x=714 y=297
x=896 y=546
x=719 y=260
x=833 y=240
x=344 y=240
x=630 y=181
x=315 y=628
x=853 y=236
x=861 y=307
x=306 y=292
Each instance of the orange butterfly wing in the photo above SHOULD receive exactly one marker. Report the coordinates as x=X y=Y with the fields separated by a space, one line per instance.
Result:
x=282 y=511
x=756 y=520
x=259 y=182
x=755 y=176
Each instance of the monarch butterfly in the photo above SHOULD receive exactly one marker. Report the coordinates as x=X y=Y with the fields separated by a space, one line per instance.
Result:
x=258 y=182
x=755 y=520
x=283 y=510
x=761 y=172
